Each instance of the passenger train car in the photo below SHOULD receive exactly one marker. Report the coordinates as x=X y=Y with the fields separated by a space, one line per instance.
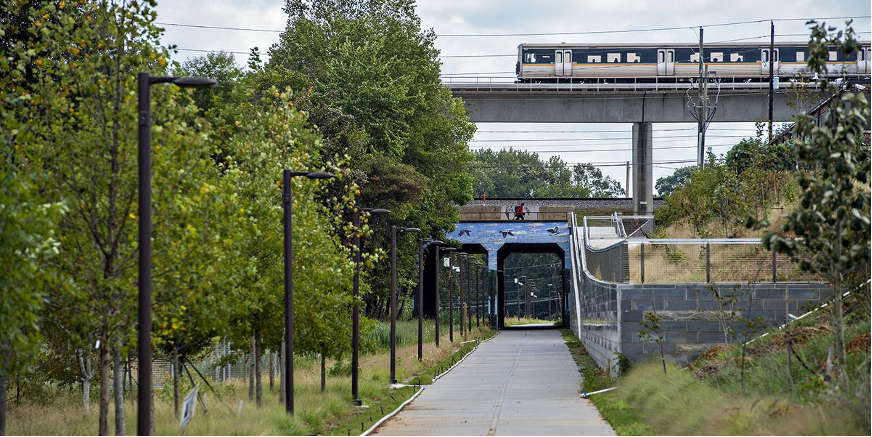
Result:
x=641 y=62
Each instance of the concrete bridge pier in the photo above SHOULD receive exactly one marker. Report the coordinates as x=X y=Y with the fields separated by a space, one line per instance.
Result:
x=643 y=174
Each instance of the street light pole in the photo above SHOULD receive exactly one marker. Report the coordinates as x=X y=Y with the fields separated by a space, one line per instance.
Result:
x=421 y=247
x=144 y=83
x=287 y=204
x=460 y=272
x=468 y=292
x=355 y=311
x=438 y=285
x=394 y=230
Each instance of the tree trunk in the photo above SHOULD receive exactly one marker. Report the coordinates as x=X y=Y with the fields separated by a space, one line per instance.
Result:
x=253 y=358
x=105 y=361
x=258 y=354
x=118 y=380
x=176 y=380
x=4 y=379
x=86 y=395
x=87 y=374
x=323 y=373
x=841 y=354
x=272 y=370
x=282 y=373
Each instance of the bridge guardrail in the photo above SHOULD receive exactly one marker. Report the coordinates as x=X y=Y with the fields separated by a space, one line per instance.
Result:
x=648 y=83
x=508 y=215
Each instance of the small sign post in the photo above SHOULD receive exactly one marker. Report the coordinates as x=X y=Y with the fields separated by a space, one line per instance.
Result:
x=189 y=406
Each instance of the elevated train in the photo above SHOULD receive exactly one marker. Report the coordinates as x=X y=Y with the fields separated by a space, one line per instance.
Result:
x=542 y=63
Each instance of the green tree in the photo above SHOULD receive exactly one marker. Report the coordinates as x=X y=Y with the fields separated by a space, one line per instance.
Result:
x=667 y=185
x=78 y=71
x=28 y=225
x=832 y=221
x=369 y=61
x=519 y=173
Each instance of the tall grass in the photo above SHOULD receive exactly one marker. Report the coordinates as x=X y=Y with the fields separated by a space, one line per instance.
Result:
x=315 y=413
x=651 y=402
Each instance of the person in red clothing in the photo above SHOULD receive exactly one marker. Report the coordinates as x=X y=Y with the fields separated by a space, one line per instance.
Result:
x=519 y=212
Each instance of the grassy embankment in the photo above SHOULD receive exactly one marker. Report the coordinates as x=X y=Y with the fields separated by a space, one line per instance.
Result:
x=515 y=321
x=708 y=397
x=61 y=413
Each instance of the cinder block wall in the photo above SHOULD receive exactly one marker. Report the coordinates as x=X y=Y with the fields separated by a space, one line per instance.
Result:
x=691 y=321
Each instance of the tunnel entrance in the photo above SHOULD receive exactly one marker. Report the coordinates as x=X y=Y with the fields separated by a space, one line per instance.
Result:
x=531 y=286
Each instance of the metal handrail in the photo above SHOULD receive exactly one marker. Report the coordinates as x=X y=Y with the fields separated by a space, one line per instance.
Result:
x=642 y=83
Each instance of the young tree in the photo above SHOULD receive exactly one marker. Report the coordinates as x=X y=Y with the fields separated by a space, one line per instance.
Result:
x=80 y=62
x=832 y=220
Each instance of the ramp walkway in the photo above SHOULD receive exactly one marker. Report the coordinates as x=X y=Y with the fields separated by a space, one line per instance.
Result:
x=518 y=383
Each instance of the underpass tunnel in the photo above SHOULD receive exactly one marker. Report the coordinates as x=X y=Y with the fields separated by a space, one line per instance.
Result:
x=531 y=284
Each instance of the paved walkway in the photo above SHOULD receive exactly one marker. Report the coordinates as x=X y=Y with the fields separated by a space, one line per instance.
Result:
x=518 y=383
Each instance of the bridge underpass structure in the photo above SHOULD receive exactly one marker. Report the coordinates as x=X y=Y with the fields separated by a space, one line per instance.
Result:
x=499 y=239
x=641 y=104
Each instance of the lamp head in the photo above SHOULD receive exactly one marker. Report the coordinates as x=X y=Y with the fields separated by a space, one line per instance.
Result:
x=195 y=82
x=410 y=229
x=319 y=175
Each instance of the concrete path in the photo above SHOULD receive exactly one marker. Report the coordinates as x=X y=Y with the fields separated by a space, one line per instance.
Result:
x=518 y=383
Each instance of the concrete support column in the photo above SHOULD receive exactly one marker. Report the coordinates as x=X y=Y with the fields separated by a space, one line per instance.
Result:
x=643 y=174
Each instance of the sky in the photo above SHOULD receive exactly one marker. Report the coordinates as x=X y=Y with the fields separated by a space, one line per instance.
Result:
x=468 y=29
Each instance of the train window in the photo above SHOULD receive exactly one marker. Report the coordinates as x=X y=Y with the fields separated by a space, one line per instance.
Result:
x=594 y=58
x=661 y=57
x=737 y=57
x=530 y=58
x=613 y=57
x=671 y=54
x=834 y=56
x=800 y=56
x=765 y=56
x=631 y=57
x=568 y=56
x=558 y=57
x=717 y=56
x=694 y=57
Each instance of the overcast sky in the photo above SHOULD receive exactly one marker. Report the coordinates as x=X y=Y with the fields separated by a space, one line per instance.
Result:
x=462 y=28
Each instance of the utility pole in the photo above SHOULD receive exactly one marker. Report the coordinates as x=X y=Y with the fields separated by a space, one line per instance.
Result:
x=703 y=99
x=627 y=187
x=528 y=301
x=771 y=74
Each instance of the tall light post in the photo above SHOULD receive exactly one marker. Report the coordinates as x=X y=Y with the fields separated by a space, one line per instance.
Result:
x=460 y=272
x=355 y=312
x=468 y=293
x=394 y=230
x=438 y=259
x=287 y=202
x=477 y=296
x=421 y=247
x=144 y=82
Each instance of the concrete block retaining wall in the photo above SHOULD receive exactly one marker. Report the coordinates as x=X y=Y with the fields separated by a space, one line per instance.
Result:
x=691 y=323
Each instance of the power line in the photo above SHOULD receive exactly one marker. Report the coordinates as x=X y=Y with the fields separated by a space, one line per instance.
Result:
x=212 y=51
x=203 y=26
x=624 y=131
x=611 y=149
x=525 y=140
x=590 y=32
x=654 y=29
